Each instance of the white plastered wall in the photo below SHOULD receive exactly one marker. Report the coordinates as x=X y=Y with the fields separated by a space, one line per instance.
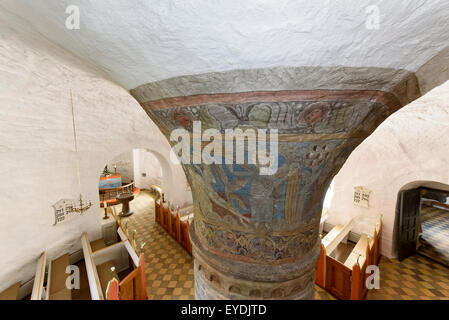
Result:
x=37 y=161
x=124 y=166
x=147 y=169
x=412 y=145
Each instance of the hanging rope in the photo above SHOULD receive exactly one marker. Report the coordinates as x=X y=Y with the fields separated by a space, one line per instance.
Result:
x=76 y=145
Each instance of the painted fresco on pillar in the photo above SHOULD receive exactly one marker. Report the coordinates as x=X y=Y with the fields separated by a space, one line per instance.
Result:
x=271 y=217
x=293 y=117
x=238 y=194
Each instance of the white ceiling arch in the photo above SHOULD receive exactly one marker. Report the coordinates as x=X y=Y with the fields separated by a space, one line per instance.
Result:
x=139 y=41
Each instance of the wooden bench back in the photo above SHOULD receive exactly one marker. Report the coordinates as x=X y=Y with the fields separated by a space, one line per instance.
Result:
x=336 y=235
x=348 y=280
x=133 y=287
x=39 y=278
x=91 y=269
x=10 y=293
x=57 y=276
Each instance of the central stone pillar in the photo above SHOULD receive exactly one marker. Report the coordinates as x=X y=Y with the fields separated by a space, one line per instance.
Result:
x=255 y=236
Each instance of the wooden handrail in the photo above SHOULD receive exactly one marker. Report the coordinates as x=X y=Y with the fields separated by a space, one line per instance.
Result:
x=112 y=193
x=91 y=269
x=39 y=277
x=358 y=251
x=336 y=235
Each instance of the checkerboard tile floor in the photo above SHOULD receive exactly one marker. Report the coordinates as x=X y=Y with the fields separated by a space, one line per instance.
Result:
x=415 y=278
x=435 y=237
x=170 y=267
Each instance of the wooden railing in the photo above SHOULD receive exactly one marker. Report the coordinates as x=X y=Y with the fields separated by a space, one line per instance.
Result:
x=110 y=194
x=124 y=231
x=176 y=225
x=133 y=286
x=103 y=266
x=39 y=278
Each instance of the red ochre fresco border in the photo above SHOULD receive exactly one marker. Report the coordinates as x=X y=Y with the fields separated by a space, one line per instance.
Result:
x=386 y=98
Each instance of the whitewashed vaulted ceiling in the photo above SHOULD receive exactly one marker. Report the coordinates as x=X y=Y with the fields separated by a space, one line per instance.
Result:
x=140 y=41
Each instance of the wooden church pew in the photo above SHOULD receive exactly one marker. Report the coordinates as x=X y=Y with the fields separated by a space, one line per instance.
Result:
x=337 y=235
x=165 y=210
x=99 y=271
x=359 y=251
x=156 y=211
x=55 y=288
x=369 y=253
x=376 y=244
x=176 y=224
x=91 y=270
x=186 y=237
x=11 y=293
x=39 y=278
x=97 y=245
x=98 y=259
x=106 y=272
x=358 y=275
x=184 y=232
x=133 y=286
x=175 y=219
x=170 y=220
x=328 y=244
x=104 y=265
x=346 y=280
x=56 y=281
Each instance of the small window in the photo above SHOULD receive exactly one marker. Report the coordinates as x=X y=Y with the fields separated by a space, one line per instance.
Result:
x=361 y=197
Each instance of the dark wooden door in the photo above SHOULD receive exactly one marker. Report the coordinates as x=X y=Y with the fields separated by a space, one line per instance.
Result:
x=409 y=208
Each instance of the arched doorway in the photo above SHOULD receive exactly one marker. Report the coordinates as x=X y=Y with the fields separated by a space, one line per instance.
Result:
x=422 y=221
x=129 y=183
x=151 y=171
x=168 y=266
x=135 y=170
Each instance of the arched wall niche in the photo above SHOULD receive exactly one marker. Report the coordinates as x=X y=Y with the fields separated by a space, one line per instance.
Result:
x=167 y=175
x=426 y=183
x=147 y=167
x=173 y=183
x=173 y=179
